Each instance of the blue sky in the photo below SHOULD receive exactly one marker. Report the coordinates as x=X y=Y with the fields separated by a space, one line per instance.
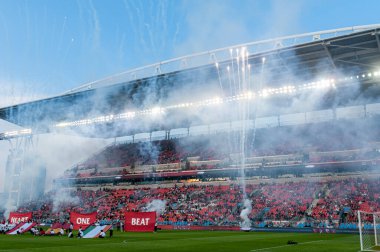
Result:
x=50 y=46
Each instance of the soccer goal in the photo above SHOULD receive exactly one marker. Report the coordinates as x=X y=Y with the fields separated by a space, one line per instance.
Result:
x=369 y=230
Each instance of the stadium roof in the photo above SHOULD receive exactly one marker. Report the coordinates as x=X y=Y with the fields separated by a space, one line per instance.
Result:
x=296 y=49
x=353 y=50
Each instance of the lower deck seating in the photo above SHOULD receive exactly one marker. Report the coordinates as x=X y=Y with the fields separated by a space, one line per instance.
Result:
x=304 y=203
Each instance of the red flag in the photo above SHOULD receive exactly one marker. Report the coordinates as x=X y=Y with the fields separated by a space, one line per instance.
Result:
x=82 y=220
x=140 y=221
x=19 y=217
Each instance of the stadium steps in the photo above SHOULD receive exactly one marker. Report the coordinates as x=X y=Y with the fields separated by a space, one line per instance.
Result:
x=261 y=214
x=234 y=210
x=255 y=192
x=324 y=191
x=95 y=200
x=342 y=217
x=312 y=205
x=101 y=197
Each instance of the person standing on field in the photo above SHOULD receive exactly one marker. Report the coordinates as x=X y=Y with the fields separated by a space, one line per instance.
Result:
x=111 y=231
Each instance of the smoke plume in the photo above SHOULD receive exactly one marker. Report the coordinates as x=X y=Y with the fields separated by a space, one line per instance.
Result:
x=244 y=215
x=157 y=206
x=63 y=197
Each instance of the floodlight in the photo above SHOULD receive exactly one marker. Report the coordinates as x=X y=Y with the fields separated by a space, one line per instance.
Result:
x=156 y=110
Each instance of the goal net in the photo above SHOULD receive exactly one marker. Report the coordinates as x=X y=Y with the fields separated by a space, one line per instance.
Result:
x=369 y=230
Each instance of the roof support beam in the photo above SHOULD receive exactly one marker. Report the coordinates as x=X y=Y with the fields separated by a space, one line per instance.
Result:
x=356 y=63
x=329 y=55
x=283 y=63
x=377 y=39
x=316 y=52
x=357 y=53
x=350 y=47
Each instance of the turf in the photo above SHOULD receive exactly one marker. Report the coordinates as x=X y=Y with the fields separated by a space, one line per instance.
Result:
x=186 y=241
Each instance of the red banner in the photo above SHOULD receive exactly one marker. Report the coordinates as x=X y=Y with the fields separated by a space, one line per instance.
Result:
x=139 y=221
x=82 y=220
x=19 y=217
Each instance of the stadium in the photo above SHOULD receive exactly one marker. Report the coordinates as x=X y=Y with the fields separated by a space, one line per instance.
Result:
x=272 y=145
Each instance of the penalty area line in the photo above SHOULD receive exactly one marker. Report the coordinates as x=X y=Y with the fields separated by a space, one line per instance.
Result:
x=287 y=245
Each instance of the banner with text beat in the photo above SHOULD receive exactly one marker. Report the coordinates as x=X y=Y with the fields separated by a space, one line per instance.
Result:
x=82 y=220
x=139 y=221
x=15 y=218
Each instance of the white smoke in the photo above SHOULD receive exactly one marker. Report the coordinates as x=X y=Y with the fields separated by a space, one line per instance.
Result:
x=157 y=206
x=246 y=223
x=63 y=197
x=68 y=149
x=9 y=207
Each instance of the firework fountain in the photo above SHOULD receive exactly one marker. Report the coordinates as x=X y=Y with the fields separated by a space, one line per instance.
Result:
x=240 y=83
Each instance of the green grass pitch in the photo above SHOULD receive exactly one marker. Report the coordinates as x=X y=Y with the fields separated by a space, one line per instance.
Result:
x=181 y=241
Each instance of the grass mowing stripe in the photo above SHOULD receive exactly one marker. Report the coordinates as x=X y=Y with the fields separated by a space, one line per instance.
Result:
x=287 y=245
x=258 y=236
x=65 y=246
x=301 y=243
x=184 y=241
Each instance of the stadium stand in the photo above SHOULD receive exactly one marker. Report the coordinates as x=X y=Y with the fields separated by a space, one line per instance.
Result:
x=317 y=196
x=199 y=153
x=281 y=203
x=331 y=199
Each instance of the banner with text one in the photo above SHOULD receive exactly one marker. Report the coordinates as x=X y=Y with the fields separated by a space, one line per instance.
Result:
x=15 y=218
x=140 y=221
x=82 y=220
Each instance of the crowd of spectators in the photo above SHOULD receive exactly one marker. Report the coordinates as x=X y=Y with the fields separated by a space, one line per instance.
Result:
x=301 y=203
x=345 y=198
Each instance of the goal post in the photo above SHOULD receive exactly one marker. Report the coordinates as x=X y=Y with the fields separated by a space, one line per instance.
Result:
x=369 y=230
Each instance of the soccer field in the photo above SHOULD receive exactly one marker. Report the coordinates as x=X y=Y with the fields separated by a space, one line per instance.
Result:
x=186 y=241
